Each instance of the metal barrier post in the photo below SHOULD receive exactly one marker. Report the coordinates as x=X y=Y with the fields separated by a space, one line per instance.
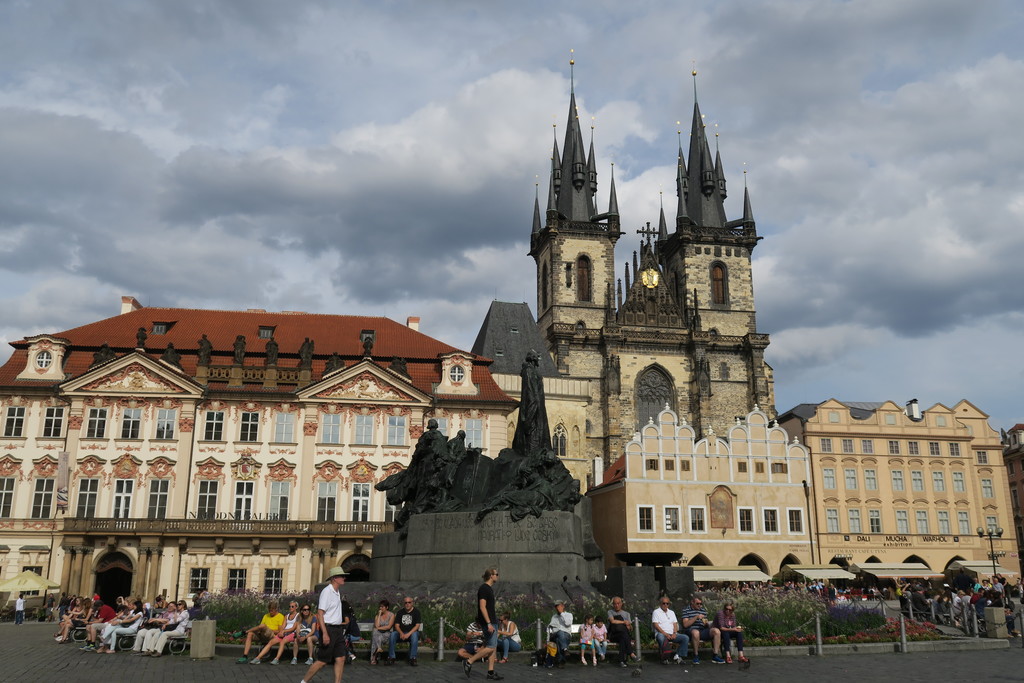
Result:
x=636 y=632
x=817 y=635
x=974 y=622
x=903 y=635
x=540 y=643
x=439 y=654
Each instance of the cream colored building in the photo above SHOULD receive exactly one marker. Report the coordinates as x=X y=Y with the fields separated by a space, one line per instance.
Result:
x=735 y=499
x=897 y=485
x=220 y=449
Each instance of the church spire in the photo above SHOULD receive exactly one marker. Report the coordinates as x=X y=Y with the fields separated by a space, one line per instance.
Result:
x=748 y=213
x=704 y=201
x=576 y=190
x=662 y=225
x=613 y=200
x=682 y=182
x=536 y=208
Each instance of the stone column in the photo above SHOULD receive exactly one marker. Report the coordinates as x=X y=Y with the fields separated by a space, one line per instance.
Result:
x=65 y=572
x=139 y=579
x=154 y=572
x=87 y=581
x=317 y=570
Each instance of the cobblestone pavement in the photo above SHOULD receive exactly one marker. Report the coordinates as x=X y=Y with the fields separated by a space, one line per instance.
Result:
x=28 y=653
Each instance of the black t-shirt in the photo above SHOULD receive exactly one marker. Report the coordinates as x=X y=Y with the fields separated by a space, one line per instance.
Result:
x=407 y=619
x=486 y=593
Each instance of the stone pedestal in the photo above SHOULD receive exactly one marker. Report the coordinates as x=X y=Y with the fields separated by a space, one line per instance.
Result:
x=449 y=547
x=995 y=622
x=204 y=639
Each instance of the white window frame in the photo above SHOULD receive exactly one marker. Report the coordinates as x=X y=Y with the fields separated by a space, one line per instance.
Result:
x=327 y=501
x=280 y=499
x=789 y=520
x=207 y=491
x=853 y=521
x=213 y=425
x=159 y=493
x=701 y=518
x=870 y=479
x=14 y=424
x=364 y=425
x=847 y=445
x=899 y=482
x=921 y=522
x=397 y=430
x=826 y=444
x=764 y=521
x=917 y=480
x=6 y=497
x=913 y=448
x=739 y=522
x=88 y=495
x=53 y=423
x=667 y=511
x=963 y=522
x=954 y=449
x=944 y=526
x=938 y=481
x=131 y=424
x=959 y=482
x=874 y=521
x=902 y=521
x=475 y=432
x=330 y=428
x=284 y=428
x=850 y=478
x=867 y=446
x=360 y=494
x=238 y=578
x=124 y=491
x=987 y=489
x=96 y=424
x=243 y=501
x=828 y=478
x=640 y=521
x=249 y=426
x=42 y=499
x=832 y=520
x=166 y=421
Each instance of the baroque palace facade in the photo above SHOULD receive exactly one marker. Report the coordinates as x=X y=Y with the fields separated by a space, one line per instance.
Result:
x=171 y=450
x=899 y=485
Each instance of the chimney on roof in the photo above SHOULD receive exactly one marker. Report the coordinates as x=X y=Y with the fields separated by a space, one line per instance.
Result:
x=413 y=322
x=913 y=409
x=129 y=304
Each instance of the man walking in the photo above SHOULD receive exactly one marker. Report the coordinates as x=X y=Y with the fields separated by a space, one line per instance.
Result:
x=19 y=610
x=487 y=618
x=333 y=647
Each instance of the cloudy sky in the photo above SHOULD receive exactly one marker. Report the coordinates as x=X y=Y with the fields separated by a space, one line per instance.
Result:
x=380 y=157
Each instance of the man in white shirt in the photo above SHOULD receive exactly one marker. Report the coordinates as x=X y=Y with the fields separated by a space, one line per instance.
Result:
x=666 y=630
x=560 y=630
x=19 y=609
x=333 y=647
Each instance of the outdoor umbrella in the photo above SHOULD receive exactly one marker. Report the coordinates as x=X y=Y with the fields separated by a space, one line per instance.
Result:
x=26 y=582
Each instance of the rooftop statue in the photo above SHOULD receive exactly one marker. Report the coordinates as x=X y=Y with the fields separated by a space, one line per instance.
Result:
x=447 y=476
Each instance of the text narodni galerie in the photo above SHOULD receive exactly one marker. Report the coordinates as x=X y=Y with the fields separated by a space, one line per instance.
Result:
x=499 y=528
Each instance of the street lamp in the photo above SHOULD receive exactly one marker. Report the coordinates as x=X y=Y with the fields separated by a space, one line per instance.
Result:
x=992 y=533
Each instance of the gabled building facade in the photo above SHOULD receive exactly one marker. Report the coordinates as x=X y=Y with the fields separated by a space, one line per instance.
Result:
x=678 y=328
x=733 y=500
x=899 y=485
x=1013 y=460
x=173 y=450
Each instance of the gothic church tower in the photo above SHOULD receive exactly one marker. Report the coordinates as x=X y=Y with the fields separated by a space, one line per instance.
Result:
x=679 y=329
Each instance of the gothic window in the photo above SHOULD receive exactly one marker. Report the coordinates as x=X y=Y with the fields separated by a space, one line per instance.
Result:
x=723 y=371
x=583 y=279
x=559 y=441
x=653 y=391
x=719 y=285
x=544 y=287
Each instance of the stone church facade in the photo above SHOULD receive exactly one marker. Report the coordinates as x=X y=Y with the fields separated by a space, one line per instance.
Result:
x=678 y=328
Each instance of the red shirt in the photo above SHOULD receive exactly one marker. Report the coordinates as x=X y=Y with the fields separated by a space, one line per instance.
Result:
x=107 y=613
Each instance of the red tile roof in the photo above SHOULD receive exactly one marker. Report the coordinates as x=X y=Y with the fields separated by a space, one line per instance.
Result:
x=330 y=334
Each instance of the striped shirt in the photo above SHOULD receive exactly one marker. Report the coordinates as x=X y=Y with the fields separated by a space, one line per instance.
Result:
x=691 y=612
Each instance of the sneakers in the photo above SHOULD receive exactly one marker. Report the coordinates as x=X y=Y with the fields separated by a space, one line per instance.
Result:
x=583 y=661
x=242 y=660
x=256 y=660
x=88 y=646
x=696 y=660
x=413 y=662
x=494 y=676
x=717 y=660
x=308 y=661
x=623 y=665
x=677 y=659
x=295 y=660
x=467 y=667
x=274 y=662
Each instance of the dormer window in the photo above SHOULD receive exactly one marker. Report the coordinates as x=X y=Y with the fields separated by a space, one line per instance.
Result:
x=266 y=331
x=161 y=328
x=44 y=359
x=367 y=334
x=457 y=374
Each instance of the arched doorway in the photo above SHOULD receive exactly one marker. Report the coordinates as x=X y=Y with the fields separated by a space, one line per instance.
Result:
x=752 y=560
x=114 y=577
x=700 y=561
x=788 y=559
x=357 y=567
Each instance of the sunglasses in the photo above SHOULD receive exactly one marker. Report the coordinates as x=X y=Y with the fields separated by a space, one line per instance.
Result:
x=305 y=609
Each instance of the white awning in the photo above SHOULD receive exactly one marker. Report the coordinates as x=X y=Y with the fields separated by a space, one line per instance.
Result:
x=820 y=571
x=979 y=567
x=899 y=570
x=729 y=574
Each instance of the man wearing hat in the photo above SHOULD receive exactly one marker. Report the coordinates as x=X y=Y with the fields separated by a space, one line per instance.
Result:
x=560 y=630
x=333 y=647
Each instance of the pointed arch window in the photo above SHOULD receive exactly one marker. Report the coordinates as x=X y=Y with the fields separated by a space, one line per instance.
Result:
x=559 y=441
x=719 y=284
x=583 y=279
x=544 y=287
x=654 y=391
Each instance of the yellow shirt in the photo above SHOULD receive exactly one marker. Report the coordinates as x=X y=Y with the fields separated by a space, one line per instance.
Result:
x=274 y=623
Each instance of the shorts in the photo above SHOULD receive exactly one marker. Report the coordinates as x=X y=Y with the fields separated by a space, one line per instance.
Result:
x=491 y=639
x=704 y=632
x=337 y=648
x=288 y=638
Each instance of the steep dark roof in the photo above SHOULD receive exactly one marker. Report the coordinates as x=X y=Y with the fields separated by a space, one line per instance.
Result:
x=859 y=410
x=508 y=348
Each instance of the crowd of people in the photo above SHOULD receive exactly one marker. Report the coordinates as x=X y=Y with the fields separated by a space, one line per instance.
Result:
x=151 y=625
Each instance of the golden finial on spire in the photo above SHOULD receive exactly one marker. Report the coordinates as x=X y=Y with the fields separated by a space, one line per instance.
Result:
x=744 y=175
x=571 y=60
x=694 y=74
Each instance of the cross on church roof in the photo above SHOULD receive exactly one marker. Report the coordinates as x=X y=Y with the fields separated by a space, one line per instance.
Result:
x=648 y=231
